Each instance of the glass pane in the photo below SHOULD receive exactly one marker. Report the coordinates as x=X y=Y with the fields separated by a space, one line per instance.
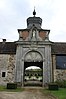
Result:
x=60 y=62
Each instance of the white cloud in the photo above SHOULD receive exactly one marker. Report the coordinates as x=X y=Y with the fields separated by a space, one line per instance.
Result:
x=13 y=14
x=2 y=4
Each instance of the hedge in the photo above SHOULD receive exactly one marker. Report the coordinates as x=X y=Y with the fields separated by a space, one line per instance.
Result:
x=11 y=85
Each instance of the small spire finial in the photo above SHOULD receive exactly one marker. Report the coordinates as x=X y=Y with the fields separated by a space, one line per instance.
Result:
x=34 y=12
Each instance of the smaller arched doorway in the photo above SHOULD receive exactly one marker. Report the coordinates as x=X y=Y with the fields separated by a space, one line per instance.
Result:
x=33 y=77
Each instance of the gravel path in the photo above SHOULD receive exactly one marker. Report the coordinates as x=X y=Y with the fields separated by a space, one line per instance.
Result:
x=28 y=93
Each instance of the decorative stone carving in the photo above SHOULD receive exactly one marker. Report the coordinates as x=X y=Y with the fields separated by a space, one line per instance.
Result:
x=33 y=57
x=34 y=35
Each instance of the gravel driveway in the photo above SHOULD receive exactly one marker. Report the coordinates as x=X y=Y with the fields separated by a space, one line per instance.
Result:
x=28 y=93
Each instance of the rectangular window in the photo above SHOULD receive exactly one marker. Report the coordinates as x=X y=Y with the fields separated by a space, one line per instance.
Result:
x=3 y=74
x=60 y=62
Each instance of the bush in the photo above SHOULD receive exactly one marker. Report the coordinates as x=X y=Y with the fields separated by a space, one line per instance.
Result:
x=61 y=84
x=11 y=85
x=53 y=86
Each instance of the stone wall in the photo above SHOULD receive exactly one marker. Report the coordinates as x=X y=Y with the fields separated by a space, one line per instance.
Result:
x=7 y=65
x=58 y=74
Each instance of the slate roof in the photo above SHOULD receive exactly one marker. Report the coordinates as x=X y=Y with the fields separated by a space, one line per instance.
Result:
x=7 y=48
x=58 y=48
x=10 y=48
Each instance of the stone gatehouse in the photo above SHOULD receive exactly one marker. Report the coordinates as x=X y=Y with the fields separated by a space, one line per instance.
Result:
x=32 y=49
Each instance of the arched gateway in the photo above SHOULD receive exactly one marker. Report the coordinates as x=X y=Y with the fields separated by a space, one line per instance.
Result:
x=33 y=58
x=33 y=48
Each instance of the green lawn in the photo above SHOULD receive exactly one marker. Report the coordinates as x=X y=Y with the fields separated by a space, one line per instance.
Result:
x=3 y=88
x=60 y=94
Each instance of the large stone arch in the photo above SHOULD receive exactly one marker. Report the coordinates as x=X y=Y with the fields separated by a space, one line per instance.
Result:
x=34 y=57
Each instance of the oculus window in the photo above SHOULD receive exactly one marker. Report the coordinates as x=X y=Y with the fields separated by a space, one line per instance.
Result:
x=60 y=62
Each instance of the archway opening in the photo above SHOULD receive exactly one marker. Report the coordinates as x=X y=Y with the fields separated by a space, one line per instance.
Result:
x=33 y=73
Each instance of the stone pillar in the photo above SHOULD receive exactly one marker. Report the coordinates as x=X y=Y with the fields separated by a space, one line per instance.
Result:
x=54 y=67
x=43 y=75
x=47 y=66
x=18 y=69
x=22 y=73
x=18 y=72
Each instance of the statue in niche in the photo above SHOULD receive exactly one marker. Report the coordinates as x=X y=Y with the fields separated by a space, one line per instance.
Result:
x=35 y=36
x=34 y=33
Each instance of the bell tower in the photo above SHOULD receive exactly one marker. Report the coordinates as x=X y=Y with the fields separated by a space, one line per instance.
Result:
x=33 y=47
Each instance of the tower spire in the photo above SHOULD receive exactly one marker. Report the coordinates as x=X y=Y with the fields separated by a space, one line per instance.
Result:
x=34 y=12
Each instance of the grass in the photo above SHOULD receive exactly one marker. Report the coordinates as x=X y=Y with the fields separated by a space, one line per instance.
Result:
x=60 y=94
x=3 y=88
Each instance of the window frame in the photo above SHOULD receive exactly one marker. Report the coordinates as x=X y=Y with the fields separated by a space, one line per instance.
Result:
x=60 y=62
x=3 y=71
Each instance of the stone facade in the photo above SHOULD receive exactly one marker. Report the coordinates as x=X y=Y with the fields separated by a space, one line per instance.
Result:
x=58 y=74
x=32 y=49
x=7 y=65
x=45 y=52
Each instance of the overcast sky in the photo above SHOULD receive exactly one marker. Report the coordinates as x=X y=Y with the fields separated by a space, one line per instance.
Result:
x=13 y=15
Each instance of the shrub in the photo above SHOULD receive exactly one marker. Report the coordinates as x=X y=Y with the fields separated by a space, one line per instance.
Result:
x=61 y=84
x=53 y=86
x=11 y=85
